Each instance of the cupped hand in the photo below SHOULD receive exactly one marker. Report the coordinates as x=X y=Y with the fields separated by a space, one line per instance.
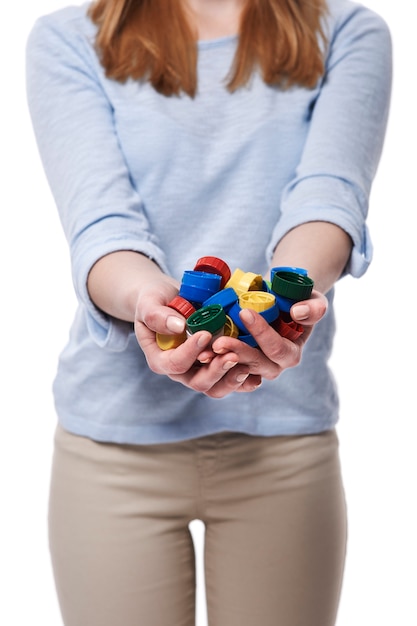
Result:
x=274 y=353
x=220 y=374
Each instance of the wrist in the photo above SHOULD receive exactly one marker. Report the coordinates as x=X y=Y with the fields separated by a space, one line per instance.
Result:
x=116 y=280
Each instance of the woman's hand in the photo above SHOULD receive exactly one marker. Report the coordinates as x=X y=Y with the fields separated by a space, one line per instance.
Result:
x=274 y=353
x=228 y=364
x=220 y=374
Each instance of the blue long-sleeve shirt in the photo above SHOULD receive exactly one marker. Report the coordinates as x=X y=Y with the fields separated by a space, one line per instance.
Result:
x=178 y=178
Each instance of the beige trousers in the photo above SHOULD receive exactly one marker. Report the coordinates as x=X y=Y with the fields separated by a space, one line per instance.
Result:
x=275 y=540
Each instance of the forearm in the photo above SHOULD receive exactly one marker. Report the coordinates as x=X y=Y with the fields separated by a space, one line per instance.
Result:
x=116 y=279
x=323 y=249
x=320 y=247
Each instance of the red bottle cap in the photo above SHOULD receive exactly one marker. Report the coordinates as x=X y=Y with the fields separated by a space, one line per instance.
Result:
x=182 y=306
x=214 y=265
x=290 y=330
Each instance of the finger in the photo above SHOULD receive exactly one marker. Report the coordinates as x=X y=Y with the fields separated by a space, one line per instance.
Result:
x=233 y=382
x=309 y=312
x=277 y=349
x=254 y=358
x=223 y=375
x=206 y=356
x=251 y=383
x=163 y=319
x=170 y=362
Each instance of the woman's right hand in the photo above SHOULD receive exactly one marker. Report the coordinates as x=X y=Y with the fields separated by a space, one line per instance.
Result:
x=219 y=376
x=131 y=287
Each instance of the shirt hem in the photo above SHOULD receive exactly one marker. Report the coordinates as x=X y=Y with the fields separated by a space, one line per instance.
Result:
x=171 y=432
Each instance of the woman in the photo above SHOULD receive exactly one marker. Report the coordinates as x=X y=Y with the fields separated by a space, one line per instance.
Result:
x=246 y=130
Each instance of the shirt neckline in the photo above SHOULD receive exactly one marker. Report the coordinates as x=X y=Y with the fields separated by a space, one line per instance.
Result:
x=216 y=42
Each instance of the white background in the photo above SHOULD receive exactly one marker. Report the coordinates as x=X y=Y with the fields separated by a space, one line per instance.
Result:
x=373 y=359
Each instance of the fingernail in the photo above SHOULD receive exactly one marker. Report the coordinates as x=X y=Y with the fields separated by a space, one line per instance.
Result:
x=241 y=378
x=300 y=312
x=247 y=316
x=229 y=364
x=174 y=324
x=203 y=340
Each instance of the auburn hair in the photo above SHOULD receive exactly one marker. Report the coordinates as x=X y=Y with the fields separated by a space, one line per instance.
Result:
x=153 y=40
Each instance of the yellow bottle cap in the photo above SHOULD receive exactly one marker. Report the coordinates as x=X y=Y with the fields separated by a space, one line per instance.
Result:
x=167 y=342
x=256 y=300
x=242 y=281
x=230 y=328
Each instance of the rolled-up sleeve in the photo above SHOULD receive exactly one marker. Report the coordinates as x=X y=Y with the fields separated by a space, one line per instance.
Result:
x=100 y=210
x=346 y=134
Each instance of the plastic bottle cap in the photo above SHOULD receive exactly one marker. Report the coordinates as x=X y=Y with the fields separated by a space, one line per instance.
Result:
x=182 y=306
x=230 y=328
x=168 y=342
x=198 y=286
x=257 y=300
x=292 y=285
x=204 y=280
x=211 y=318
x=290 y=330
x=282 y=268
x=234 y=316
x=226 y=297
x=284 y=304
x=214 y=265
x=242 y=281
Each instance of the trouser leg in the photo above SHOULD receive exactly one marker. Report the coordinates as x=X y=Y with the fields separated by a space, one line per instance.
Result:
x=275 y=532
x=121 y=549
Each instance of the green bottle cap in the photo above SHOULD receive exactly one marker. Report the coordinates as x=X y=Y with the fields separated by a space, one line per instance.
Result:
x=211 y=317
x=292 y=285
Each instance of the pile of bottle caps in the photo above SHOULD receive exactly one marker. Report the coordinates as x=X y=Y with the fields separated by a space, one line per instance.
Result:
x=211 y=297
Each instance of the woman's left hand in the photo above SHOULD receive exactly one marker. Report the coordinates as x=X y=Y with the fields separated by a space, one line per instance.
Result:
x=274 y=353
